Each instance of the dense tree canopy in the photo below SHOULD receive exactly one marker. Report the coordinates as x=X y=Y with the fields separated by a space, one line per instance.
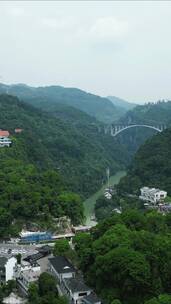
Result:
x=127 y=258
x=151 y=166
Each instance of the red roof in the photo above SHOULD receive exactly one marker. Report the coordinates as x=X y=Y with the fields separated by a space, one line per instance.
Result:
x=4 y=133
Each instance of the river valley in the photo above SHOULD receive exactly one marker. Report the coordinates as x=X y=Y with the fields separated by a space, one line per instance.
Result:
x=90 y=202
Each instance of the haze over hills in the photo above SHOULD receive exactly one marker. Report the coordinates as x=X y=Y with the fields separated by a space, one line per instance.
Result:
x=125 y=105
x=48 y=98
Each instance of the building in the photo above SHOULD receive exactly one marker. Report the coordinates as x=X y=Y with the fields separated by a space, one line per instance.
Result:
x=61 y=268
x=91 y=299
x=5 y=141
x=75 y=289
x=17 y=130
x=152 y=195
x=14 y=299
x=33 y=237
x=81 y=229
x=7 y=269
x=27 y=277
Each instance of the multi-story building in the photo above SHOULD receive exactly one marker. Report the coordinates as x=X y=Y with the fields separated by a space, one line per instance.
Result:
x=7 y=269
x=152 y=195
x=5 y=141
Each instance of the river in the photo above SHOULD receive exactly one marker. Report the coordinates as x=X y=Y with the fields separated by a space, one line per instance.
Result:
x=90 y=202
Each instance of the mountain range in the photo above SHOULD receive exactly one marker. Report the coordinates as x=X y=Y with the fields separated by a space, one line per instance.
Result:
x=49 y=98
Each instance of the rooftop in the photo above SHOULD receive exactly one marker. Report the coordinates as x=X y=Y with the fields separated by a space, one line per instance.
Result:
x=4 y=133
x=31 y=275
x=76 y=285
x=61 y=264
x=91 y=298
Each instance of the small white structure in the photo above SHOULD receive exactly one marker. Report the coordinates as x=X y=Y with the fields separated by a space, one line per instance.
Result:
x=108 y=195
x=14 y=299
x=152 y=195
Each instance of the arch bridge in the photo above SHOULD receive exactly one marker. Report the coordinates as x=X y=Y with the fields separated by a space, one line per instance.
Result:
x=114 y=130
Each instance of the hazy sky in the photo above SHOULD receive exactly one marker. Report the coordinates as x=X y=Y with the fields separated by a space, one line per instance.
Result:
x=107 y=48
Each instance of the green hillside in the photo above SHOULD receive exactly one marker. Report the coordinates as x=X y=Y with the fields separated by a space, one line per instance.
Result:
x=50 y=161
x=151 y=165
x=151 y=114
x=47 y=98
x=79 y=152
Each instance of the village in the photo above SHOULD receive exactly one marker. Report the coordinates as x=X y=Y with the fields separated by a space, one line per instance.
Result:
x=35 y=260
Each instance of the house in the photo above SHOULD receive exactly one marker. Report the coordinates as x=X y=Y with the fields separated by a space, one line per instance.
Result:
x=14 y=299
x=91 y=299
x=5 y=141
x=152 y=195
x=17 y=130
x=27 y=277
x=74 y=289
x=7 y=268
x=61 y=268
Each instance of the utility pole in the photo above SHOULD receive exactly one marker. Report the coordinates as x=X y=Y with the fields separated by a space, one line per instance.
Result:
x=108 y=175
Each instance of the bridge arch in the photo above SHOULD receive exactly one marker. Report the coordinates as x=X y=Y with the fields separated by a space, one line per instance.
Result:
x=115 y=130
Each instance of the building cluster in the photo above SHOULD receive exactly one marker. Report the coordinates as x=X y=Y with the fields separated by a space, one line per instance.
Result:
x=69 y=283
x=155 y=199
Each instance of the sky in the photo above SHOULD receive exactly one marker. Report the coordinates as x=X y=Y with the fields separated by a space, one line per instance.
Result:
x=120 y=48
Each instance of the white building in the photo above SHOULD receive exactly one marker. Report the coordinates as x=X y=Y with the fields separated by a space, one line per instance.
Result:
x=10 y=268
x=5 y=141
x=7 y=269
x=152 y=195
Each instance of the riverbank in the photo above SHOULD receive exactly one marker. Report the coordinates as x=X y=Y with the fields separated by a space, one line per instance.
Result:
x=90 y=202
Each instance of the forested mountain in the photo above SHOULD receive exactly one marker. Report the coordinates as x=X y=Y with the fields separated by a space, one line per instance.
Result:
x=48 y=162
x=78 y=151
x=151 y=114
x=123 y=104
x=151 y=165
x=48 y=98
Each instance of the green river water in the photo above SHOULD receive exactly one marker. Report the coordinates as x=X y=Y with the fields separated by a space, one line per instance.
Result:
x=90 y=202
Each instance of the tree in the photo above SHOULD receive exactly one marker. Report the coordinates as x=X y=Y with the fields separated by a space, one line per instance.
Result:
x=33 y=294
x=18 y=257
x=116 y=301
x=61 y=247
x=47 y=284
